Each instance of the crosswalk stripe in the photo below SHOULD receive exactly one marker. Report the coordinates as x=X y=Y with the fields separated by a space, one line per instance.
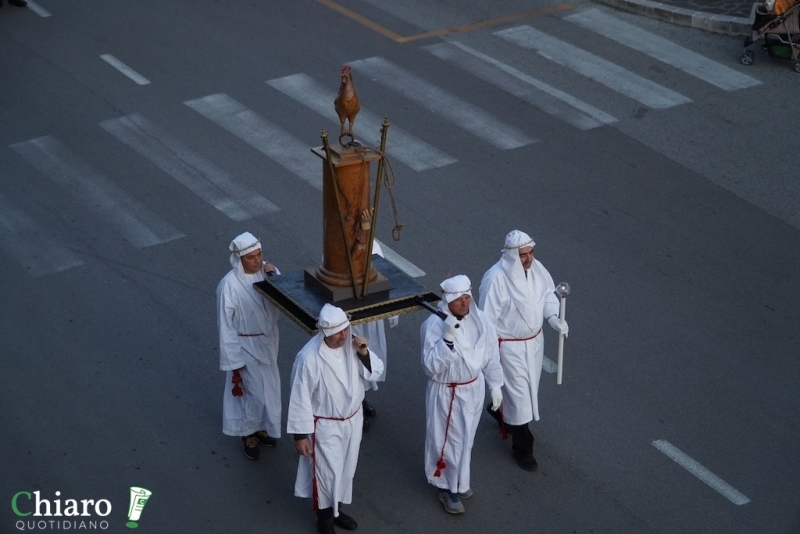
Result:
x=596 y=68
x=272 y=141
x=39 y=10
x=662 y=50
x=452 y=108
x=96 y=192
x=124 y=69
x=31 y=247
x=407 y=148
x=189 y=168
x=523 y=86
x=403 y=264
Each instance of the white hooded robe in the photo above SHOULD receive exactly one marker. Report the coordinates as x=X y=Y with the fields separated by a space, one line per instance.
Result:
x=248 y=336
x=325 y=403
x=474 y=356
x=517 y=306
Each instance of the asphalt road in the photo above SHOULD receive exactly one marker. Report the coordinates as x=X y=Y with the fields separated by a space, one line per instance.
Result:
x=676 y=226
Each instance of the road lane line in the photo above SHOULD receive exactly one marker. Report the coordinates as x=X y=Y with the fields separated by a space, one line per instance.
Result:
x=39 y=10
x=525 y=87
x=403 y=264
x=448 y=106
x=716 y=483
x=386 y=32
x=124 y=69
x=407 y=148
x=36 y=251
x=594 y=67
x=663 y=50
x=96 y=192
x=549 y=365
x=272 y=141
x=189 y=168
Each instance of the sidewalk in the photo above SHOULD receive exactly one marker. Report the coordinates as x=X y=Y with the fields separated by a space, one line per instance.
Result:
x=732 y=17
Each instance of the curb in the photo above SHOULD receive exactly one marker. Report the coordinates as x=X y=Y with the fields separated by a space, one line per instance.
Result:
x=701 y=20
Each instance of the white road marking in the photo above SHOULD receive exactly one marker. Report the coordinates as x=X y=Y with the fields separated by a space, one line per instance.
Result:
x=189 y=168
x=412 y=151
x=450 y=107
x=523 y=86
x=37 y=252
x=39 y=10
x=596 y=68
x=549 y=365
x=97 y=193
x=662 y=50
x=716 y=483
x=272 y=141
x=124 y=69
x=403 y=264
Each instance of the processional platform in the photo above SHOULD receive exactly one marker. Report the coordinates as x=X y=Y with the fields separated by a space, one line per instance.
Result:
x=301 y=301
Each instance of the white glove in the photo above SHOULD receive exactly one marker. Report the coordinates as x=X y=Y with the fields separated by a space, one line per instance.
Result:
x=450 y=325
x=393 y=321
x=555 y=322
x=497 y=398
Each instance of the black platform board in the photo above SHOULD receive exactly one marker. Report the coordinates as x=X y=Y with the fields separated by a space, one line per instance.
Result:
x=301 y=302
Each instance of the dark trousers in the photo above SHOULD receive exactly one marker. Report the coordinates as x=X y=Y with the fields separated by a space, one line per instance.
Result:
x=521 y=436
x=325 y=515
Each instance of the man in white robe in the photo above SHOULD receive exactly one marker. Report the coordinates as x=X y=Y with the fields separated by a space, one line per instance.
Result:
x=325 y=415
x=518 y=294
x=460 y=357
x=248 y=350
x=375 y=332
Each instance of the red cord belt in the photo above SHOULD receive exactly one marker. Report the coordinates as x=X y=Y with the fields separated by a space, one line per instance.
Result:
x=452 y=385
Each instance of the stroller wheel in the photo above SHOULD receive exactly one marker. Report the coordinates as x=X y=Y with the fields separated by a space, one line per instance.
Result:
x=748 y=57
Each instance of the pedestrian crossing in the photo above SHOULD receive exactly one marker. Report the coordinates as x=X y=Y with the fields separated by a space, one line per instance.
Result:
x=70 y=168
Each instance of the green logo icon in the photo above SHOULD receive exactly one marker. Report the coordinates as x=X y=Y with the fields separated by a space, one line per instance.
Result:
x=139 y=498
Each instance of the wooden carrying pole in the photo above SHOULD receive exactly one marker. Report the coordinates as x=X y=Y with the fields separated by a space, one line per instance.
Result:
x=374 y=223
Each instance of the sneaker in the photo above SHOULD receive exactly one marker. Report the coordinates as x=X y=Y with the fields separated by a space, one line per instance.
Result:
x=452 y=505
x=265 y=439
x=250 y=444
x=345 y=521
x=526 y=461
x=466 y=495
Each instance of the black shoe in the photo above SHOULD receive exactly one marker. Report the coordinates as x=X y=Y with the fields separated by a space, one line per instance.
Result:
x=250 y=444
x=325 y=527
x=345 y=521
x=526 y=461
x=366 y=425
x=18 y=3
x=369 y=410
x=265 y=439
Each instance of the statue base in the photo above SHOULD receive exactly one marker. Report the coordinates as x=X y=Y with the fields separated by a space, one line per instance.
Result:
x=380 y=284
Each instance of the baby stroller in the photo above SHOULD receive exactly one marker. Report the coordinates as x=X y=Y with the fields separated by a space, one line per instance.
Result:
x=780 y=33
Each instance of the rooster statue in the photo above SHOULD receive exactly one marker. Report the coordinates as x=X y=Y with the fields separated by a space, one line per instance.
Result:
x=346 y=103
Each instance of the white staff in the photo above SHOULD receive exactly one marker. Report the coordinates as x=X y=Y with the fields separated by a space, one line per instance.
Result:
x=563 y=290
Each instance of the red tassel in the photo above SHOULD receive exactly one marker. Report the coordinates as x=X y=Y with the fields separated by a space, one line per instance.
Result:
x=236 y=380
x=437 y=473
